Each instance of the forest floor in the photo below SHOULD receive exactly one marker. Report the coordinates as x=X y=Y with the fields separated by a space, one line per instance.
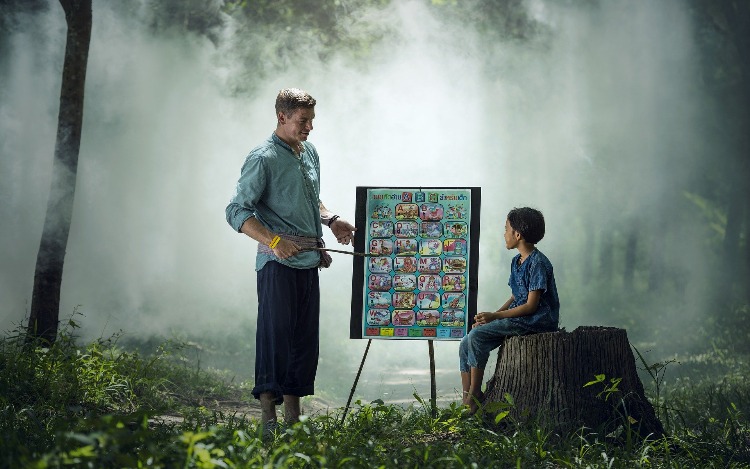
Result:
x=393 y=388
x=239 y=408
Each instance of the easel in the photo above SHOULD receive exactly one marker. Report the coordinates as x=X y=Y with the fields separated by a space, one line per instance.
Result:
x=433 y=384
x=464 y=209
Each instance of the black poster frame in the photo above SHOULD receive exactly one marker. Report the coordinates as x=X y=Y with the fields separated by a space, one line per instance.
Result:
x=359 y=267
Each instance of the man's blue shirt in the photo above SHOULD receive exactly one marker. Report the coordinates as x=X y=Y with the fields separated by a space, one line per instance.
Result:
x=535 y=274
x=282 y=192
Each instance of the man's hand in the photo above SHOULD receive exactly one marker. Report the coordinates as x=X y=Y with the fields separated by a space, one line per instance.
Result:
x=343 y=231
x=285 y=248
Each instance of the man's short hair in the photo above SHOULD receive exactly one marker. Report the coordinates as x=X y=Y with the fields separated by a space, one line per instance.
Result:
x=291 y=99
x=529 y=222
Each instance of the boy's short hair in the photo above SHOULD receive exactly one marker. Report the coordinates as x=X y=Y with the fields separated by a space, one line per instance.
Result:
x=529 y=222
x=291 y=99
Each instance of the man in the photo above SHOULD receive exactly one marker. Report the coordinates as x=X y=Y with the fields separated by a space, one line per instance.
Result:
x=277 y=203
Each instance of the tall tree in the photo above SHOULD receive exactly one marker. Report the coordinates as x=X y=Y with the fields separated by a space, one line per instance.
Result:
x=45 y=300
x=737 y=29
x=724 y=36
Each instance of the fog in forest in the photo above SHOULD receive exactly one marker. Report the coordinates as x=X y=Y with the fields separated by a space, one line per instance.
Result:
x=595 y=118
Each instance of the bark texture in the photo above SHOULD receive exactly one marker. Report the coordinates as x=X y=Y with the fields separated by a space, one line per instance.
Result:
x=546 y=376
x=45 y=299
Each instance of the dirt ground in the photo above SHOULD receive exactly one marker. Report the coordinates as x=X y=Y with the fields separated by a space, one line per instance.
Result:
x=392 y=388
x=249 y=409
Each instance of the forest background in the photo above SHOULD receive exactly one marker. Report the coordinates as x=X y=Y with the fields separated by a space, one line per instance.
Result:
x=626 y=123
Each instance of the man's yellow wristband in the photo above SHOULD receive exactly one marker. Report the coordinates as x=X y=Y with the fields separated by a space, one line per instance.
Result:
x=274 y=241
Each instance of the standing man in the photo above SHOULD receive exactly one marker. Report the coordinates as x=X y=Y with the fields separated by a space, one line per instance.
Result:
x=277 y=203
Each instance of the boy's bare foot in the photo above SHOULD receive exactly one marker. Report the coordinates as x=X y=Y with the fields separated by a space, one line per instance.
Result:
x=474 y=402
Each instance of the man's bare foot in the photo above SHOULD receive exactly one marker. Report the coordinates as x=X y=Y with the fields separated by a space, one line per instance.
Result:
x=269 y=429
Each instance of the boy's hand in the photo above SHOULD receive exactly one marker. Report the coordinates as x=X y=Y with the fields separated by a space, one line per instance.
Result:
x=483 y=318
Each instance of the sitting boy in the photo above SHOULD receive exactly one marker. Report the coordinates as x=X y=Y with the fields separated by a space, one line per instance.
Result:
x=532 y=307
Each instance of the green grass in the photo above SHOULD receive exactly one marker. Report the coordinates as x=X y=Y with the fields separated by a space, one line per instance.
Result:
x=97 y=405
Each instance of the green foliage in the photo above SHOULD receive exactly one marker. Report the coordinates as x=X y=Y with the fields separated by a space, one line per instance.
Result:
x=714 y=217
x=500 y=20
x=47 y=392
x=268 y=37
x=100 y=406
x=731 y=331
x=608 y=389
x=276 y=36
x=196 y=16
x=500 y=409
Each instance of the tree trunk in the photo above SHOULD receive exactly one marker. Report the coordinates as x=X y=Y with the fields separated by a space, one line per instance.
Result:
x=45 y=299
x=587 y=259
x=656 y=266
x=631 y=255
x=606 y=258
x=735 y=16
x=547 y=374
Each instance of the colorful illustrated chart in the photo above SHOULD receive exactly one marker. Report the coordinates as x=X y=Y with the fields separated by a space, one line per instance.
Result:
x=415 y=282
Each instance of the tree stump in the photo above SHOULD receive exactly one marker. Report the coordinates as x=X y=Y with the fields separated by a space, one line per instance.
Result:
x=546 y=376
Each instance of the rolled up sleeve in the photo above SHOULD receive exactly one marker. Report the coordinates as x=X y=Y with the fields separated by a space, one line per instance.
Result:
x=249 y=189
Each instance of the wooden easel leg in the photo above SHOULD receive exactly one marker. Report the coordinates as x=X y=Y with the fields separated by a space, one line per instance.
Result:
x=356 y=379
x=433 y=384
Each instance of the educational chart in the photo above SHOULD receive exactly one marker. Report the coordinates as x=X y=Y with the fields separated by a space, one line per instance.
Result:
x=418 y=281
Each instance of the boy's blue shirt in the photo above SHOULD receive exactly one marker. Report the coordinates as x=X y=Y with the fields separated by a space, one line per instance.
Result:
x=283 y=193
x=535 y=274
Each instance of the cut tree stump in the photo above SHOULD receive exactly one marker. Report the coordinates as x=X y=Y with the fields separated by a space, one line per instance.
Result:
x=545 y=374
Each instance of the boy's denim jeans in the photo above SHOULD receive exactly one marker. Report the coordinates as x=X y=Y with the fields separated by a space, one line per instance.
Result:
x=476 y=346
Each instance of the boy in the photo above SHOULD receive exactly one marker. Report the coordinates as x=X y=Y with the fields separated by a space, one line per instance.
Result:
x=532 y=307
